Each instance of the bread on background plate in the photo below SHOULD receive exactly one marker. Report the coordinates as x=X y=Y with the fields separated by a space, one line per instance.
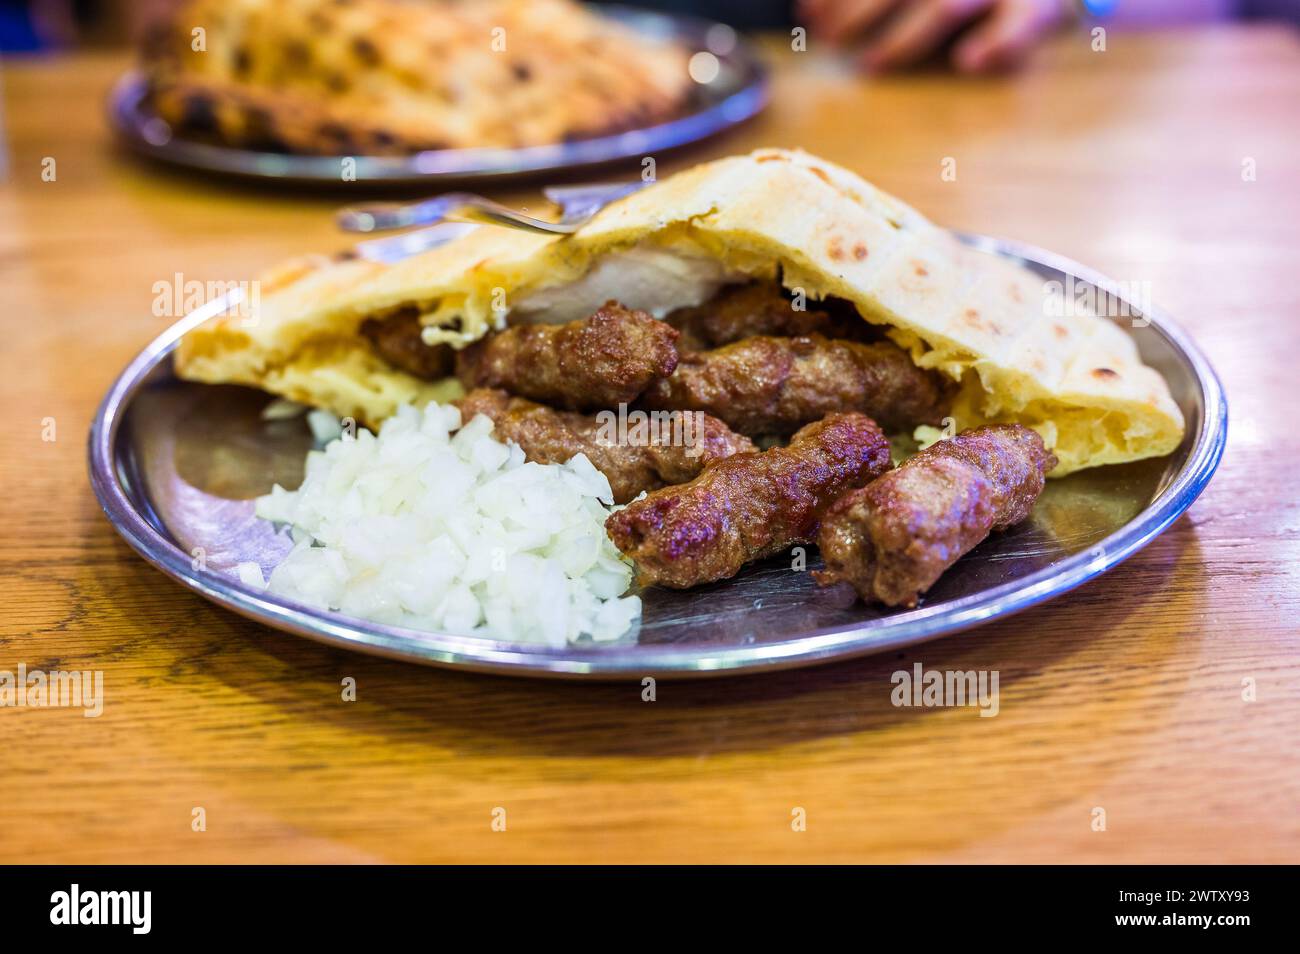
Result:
x=393 y=77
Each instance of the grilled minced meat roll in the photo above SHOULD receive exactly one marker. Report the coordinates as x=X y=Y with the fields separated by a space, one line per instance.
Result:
x=974 y=320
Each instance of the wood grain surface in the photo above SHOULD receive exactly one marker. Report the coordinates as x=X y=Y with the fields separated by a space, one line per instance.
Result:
x=1126 y=695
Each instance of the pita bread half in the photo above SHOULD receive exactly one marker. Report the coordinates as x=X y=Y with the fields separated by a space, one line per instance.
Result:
x=1074 y=377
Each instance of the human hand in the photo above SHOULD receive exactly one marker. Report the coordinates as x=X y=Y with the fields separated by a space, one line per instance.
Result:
x=995 y=34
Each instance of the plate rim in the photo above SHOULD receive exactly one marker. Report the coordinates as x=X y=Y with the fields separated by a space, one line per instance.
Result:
x=627 y=661
x=441 y=166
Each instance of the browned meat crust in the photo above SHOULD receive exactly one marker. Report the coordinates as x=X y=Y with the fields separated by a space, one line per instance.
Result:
x=770 y=385
x=748 y=506
x=548 y=436
x=396 y=339
x=760 y=308
x=599 y=362
x=895 y=537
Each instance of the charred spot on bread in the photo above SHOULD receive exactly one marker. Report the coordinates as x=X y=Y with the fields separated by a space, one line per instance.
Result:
x=200 y=113
x=366 y=51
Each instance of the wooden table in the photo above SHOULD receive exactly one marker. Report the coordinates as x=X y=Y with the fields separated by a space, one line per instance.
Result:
x=1126 y=695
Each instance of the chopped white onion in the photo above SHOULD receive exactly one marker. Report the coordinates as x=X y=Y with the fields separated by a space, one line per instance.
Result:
x=325 y=427
x=431 y=525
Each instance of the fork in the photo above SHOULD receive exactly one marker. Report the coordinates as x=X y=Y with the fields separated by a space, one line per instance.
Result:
x=456 y=211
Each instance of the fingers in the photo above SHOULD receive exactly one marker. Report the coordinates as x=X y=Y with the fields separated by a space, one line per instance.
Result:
x=810 y=10
x=1002 y=31
x=918 y=30
x=1004 y=38
x=838 y=21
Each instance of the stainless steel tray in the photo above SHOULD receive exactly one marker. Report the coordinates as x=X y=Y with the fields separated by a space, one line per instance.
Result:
x=738 y=93
x=175 y=465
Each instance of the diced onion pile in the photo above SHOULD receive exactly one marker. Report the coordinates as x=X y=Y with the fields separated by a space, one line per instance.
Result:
x=435 y=526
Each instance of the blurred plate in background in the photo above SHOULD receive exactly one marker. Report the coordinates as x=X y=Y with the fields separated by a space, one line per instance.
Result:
x=735 y=94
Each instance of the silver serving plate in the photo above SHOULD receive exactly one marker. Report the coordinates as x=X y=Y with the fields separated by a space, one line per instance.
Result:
x=739 y=92
x=176 y=465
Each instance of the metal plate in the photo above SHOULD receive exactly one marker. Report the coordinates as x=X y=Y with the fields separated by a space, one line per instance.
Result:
x=175 y=466
x=738 y=93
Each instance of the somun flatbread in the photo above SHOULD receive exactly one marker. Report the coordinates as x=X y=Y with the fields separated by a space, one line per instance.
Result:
x=394 y=77
x=1019 y=356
